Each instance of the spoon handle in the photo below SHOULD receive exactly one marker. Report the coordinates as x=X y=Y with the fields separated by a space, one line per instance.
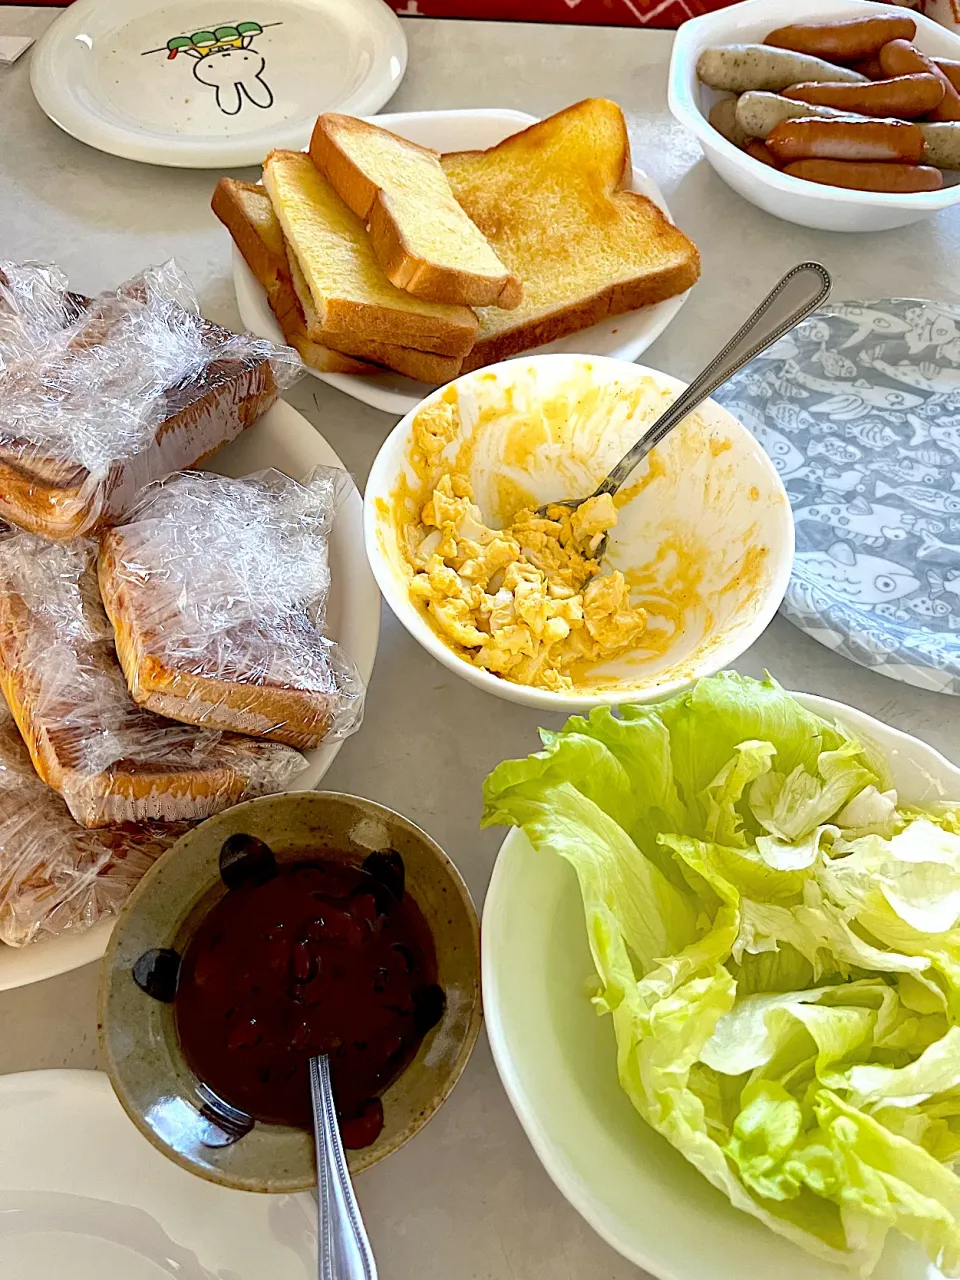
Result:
x=801 y=291
x=344 y=1249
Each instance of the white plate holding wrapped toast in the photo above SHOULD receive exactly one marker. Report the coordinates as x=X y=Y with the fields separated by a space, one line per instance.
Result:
x=284 y=438
x=172 y=640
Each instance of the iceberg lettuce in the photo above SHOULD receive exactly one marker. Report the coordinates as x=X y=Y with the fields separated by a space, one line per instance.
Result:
x=778 y=947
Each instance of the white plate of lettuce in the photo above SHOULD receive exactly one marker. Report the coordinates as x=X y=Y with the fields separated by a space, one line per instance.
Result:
x=769 y=886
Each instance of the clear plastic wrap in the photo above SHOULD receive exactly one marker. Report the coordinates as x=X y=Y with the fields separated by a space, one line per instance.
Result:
x=111 y=761
x=217 y=589
x=57 y=877
x=100 y=396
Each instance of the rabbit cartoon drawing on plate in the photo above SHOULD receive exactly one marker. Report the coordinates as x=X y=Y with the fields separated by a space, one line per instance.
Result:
x=224 y=59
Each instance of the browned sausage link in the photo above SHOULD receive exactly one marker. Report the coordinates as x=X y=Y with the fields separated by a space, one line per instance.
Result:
x=868 y=177
x=900 y=58
x=846 y=139
x=905 y=97
x=869 y=67
x=842 y=41
x=754 y=147
x=950 y=69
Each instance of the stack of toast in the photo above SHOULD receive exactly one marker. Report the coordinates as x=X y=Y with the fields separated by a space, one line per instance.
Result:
x=376 y=253
x=105 y=758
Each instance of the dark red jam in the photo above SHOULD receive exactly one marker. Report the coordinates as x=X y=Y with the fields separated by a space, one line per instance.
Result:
x=322 y=956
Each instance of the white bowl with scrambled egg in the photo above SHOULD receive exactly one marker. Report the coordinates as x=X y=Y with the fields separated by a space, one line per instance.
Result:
x=698 y=559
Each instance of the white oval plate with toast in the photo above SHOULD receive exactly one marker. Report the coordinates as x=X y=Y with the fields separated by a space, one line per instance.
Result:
x=168 y=82
x=282 y=438
x=624 y=337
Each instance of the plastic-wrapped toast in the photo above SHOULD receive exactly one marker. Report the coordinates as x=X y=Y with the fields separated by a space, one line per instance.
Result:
x=110 y=760
x=217 y=591
x=57 y=877
x=100 y=396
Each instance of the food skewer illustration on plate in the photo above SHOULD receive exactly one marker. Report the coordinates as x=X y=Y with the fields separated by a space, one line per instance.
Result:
x=224 y=59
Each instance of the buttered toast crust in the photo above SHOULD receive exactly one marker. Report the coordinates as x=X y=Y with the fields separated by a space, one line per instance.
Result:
x=421 y=236
x=551 y=201
x=350 y=292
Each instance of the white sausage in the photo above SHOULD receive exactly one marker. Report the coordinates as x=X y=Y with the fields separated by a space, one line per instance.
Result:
x=758 y=113
x=942 y=144
x=723 y=117
x=739 y=68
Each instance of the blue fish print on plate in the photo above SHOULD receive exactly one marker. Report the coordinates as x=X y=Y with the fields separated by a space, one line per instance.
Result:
x=859 y=409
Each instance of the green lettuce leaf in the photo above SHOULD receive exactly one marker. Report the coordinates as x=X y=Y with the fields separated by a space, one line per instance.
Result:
x=777 y=944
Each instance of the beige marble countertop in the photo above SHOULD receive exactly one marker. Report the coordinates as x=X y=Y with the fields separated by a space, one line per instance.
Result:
x=468 y=1197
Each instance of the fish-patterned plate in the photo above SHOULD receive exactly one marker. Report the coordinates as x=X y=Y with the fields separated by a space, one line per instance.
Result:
x=859 y=408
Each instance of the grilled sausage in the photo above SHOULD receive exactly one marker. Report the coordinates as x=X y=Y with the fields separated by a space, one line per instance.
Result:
x=869 y=67
x=842 y=41
x=903 y=98
x=887 y=141
x=760 y=151
x=900 y=58
x=868 y=177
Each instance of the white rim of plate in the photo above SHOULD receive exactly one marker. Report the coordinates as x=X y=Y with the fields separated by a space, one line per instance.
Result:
x=387 y=391
x=22 y=966
x=53 y=92
x=119 y=1189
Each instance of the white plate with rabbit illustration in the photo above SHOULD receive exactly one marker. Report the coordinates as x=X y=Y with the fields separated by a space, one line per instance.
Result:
x=217 y=84
x=859 y=408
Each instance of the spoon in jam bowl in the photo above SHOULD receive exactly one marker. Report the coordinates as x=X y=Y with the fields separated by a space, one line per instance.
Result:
x=343 y=1246
x=803 y=289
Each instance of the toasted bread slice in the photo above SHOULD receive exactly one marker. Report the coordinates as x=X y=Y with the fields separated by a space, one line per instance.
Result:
x=198 y=638
x=350 y=292
x=111 y=761
x=551 y=201
x=245 y=210
x=424 y=241
x=55 y=876
x=424 y=366
x=62 y=357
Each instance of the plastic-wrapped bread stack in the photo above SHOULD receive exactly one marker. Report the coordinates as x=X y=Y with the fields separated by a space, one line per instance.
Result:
x=57 y=877
x=98 y=397
x=110 y=760
x=218 y=585
x=216 y=589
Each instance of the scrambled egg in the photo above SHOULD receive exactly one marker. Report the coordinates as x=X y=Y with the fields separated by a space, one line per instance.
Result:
x=526 y=602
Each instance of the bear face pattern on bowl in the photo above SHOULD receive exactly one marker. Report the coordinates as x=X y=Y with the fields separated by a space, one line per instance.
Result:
x=147 y=1068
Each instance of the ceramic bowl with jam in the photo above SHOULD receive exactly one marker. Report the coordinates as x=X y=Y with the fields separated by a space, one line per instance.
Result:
x=290 y=926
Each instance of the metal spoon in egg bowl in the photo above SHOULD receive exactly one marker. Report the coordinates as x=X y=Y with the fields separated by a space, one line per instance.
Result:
x=801 y=291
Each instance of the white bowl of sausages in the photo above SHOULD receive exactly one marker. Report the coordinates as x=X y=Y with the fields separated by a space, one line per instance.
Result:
x=848 y=120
